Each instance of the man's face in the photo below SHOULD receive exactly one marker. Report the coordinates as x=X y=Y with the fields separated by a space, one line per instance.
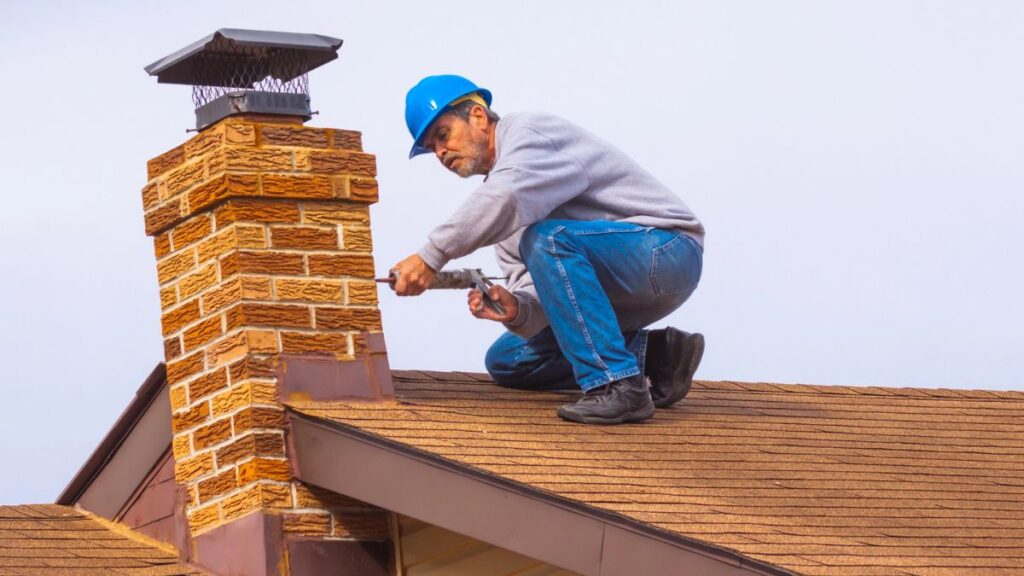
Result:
x=462 y=146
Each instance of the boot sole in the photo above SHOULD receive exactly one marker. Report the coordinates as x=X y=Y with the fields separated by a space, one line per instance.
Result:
x=693 y=363
x=634 y=416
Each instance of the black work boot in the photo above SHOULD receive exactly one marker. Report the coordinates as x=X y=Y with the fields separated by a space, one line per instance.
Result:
x=626 y=400
x=672 y=359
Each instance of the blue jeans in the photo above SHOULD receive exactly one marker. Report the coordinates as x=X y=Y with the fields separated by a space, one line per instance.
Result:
x=600 y=283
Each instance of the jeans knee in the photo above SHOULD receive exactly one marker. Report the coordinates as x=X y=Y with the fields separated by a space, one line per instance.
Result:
x=499 y=360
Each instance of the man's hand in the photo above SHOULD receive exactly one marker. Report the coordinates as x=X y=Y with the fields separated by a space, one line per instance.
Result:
x=414 y=276
x=502 y=296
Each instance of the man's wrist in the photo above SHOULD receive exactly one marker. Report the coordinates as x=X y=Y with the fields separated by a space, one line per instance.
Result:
x=433 y=256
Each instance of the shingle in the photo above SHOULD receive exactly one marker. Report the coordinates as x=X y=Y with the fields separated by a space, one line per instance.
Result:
x=816 y=479
x=52 y=540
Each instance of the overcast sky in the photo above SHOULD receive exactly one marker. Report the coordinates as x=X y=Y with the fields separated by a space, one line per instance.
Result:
x=858 y=166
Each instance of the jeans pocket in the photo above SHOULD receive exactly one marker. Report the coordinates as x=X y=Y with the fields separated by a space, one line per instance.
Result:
x=676 y=266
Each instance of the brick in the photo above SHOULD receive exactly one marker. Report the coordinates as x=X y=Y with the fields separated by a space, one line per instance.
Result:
x=364 y=526
x=276 y=495
x=319 y=343
x=258 y=417
x=164 y=216
x=303 y=186
x=308 y=496
x=212 y=434
x=239 y=133
x=255 y=497
x=207 y=384
x=342 y=161
x=234 y=346
x=359 y=292
x=264 y=469
x=217 y=245
x=205 y=142
x=243 y=262
x=282 y=135
x=189 y=469
x=308 y=290
x=166 y=161
x=172 y=348
x=184 y=367
x=203 y=518
x=257 y=159
x=175 y=319
x=182 y=178
x=275 y=315
x=150 y=195
x=192 y=230
x=241 y=503
x=175 y=265
x=202 y=333
x=242 y=395
x=222 y=188
x=347 y=140
x=223 y=296
x=197 y=282
x=321 y=213
x=358 y=265
x=357 y=239
x=253 y=367
x=257 y=210
x=304 y=237
x=362 y=190
x=181 y=447
x=161 y=245
x=215 y=164
x=179 y=397
x=249 y=445
x=222 y=483
x=194 y=416
x=251 y=236
x=351 y=319
x=168 y=297
x=307 y=523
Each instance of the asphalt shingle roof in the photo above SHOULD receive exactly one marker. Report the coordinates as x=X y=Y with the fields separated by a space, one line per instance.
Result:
x=52 y=540
x=819 y=480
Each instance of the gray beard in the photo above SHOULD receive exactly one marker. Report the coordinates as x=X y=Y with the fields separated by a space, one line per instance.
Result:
x=472 y=163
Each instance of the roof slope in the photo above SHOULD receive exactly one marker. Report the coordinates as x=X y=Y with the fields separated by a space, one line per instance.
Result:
x=813 y=479
x=52 y=540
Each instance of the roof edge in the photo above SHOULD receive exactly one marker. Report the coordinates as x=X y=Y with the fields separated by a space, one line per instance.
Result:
x=148 y=392
x=315 y=442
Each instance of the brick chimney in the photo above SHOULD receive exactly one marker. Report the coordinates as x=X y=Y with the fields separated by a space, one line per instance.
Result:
x=261 y=230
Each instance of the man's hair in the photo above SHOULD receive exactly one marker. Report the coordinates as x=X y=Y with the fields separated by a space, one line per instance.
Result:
x=462 y=110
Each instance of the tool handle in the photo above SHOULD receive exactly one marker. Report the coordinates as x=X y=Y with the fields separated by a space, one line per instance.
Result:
x=481 y=283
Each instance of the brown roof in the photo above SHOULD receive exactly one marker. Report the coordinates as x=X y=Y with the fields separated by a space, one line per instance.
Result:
x=52 y=540
x=812 y=479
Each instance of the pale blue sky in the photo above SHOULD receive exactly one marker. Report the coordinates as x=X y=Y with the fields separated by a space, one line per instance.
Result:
x=858 y=166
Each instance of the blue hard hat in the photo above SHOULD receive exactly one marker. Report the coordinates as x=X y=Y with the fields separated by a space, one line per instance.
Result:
x=429 y=99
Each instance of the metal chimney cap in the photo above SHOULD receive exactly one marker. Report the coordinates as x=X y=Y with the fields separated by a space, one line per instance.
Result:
x=314 y=50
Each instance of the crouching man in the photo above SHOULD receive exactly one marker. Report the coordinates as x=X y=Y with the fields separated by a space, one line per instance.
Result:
x=595 y=249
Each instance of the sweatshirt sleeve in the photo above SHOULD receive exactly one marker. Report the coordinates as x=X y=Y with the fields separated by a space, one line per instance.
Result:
x=531 y=178
x=531 y=318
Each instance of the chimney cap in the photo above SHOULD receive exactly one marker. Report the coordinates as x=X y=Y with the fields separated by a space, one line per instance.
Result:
x=273 y=52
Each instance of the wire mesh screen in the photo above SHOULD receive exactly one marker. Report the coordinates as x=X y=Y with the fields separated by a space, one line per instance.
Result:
x=226 y=67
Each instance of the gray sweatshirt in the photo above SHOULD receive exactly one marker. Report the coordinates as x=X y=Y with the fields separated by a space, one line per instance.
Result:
x=547 y=168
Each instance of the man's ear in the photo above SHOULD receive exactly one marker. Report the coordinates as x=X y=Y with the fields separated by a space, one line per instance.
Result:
x=478 y=117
